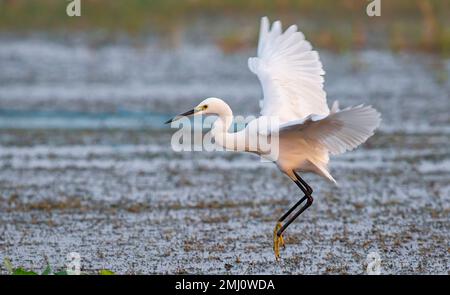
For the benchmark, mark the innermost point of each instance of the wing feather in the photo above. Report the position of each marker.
(290, 73)
(338, 132)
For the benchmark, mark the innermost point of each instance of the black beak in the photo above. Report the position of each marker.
(188, 113)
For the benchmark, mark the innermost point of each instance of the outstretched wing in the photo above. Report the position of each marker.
(290, 73)
(338, 132)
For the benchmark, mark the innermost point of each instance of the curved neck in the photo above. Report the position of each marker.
(224, 121)
(219, 131)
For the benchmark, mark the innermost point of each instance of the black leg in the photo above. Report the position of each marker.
(282, 218)
(307, 190)
(303, 186)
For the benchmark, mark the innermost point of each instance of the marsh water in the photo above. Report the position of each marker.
(87, 166)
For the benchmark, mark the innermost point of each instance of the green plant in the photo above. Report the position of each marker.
(47, 271)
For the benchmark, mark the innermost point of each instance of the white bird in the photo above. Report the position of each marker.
(291, 77)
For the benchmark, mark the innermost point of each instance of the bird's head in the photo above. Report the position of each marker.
(209, 106)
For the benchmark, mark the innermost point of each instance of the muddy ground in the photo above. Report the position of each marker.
(118, 195)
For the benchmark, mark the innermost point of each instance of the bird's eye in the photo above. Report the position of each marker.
(204, 107)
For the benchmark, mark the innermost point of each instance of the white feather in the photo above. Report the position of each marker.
(306, 143)
(290, 73)
(338, 132)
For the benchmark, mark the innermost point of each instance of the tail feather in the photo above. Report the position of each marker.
(322, 170)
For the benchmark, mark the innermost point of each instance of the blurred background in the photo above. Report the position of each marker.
(147, 56)
(86, 163)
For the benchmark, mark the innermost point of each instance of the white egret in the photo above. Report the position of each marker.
(291, 77)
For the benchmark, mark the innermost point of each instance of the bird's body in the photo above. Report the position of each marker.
(307, 131)
(304, 144)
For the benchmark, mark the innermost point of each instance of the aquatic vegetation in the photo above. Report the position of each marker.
(47, 270)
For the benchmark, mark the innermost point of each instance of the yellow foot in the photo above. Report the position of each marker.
(277, 241)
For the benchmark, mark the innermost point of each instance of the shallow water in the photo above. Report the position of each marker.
(117, 81)
(86, 165)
